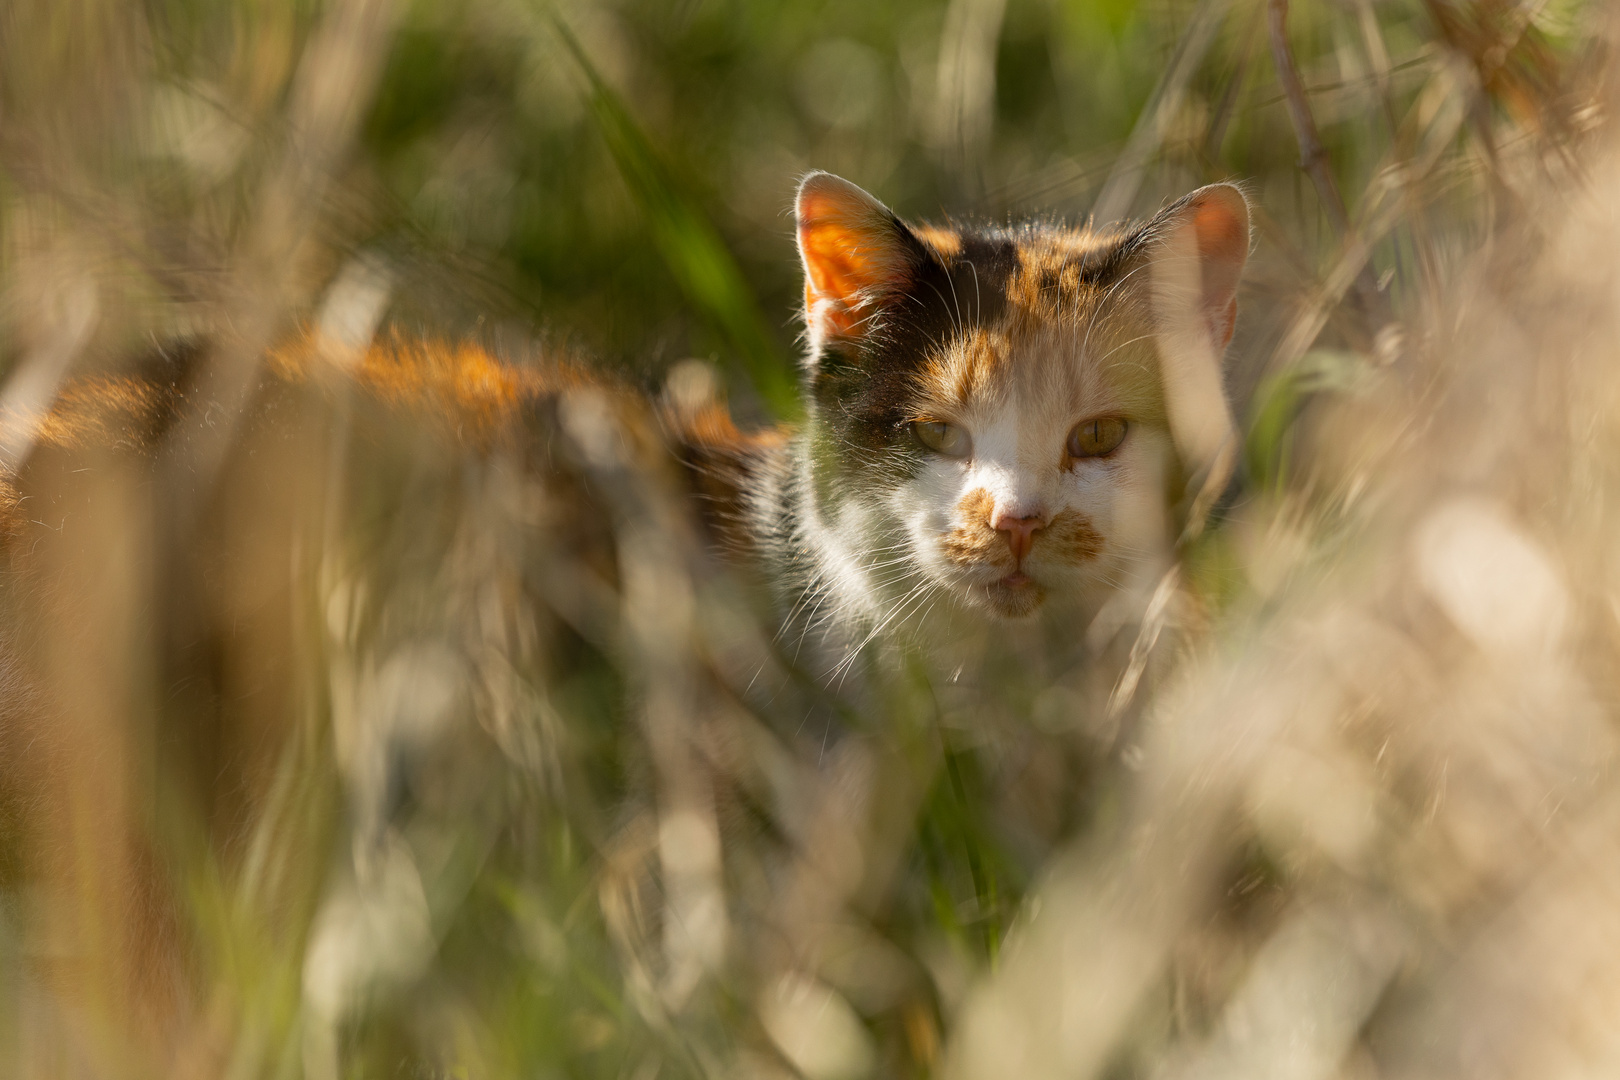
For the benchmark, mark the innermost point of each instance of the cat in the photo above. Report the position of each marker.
(999, 426)
(999, 421)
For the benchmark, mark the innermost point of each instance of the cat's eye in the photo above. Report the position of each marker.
(942, 438)
(1095, 438)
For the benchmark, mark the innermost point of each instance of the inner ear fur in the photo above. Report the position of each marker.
(1214, 222)
(1194, 251)
(856, 256)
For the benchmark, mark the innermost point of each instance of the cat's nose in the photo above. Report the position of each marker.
(1020, 532)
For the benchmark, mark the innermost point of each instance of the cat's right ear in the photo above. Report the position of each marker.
(856, 254)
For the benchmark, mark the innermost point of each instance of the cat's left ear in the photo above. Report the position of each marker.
(857, 256)
(1195, 250)
(1200, 243)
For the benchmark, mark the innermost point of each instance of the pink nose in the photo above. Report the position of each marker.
(1020, 532)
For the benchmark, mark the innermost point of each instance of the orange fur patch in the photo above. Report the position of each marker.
(1070, 538)
(461, 383)
(711, 428)
(475, 394)
(946, 243)
(964, 370)
(974, 542)
(95, 410)
(850, 250)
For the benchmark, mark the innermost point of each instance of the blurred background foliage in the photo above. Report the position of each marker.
(612, 180)
(631, 194)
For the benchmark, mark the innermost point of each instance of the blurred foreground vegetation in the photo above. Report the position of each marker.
(346, 740)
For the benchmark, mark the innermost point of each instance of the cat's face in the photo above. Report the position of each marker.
(994, 411)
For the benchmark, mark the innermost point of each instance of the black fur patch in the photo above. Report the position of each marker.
(864, 389)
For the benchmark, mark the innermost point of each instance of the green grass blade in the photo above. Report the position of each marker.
(689, 243)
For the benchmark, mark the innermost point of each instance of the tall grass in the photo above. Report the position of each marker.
(356, 728)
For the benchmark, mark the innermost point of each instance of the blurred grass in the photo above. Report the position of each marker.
(691, 248)
(370, 752)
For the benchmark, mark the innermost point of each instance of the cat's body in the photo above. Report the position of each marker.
(999, 421)
(997, 425)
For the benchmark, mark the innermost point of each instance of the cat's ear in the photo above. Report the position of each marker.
(1195, 250)
(856, 256)
(1208, 229)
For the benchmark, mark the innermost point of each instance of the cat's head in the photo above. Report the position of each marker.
(1005, 414)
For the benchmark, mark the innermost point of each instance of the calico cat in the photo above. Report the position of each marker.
(1000, 425)
(1000, 420)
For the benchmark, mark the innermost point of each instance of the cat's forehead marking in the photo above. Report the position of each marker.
(1041, 369)
(962, 372)
(1060, 270)
(1051, 283)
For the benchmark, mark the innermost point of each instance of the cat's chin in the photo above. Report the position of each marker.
(1014, 597)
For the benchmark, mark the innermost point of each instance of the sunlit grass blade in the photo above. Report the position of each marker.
(688, 242)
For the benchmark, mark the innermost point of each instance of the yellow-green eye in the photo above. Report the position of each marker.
(1094, 438)
(942, 438)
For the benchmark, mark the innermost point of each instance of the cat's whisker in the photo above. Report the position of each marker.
(1123, 344)
(877, 629)
(956, 302)
(1098, 310)
(845, 664)
(957, 328)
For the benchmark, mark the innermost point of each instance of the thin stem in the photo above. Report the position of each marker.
(1125, 179)
(1312, 157)
(1314, 160)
